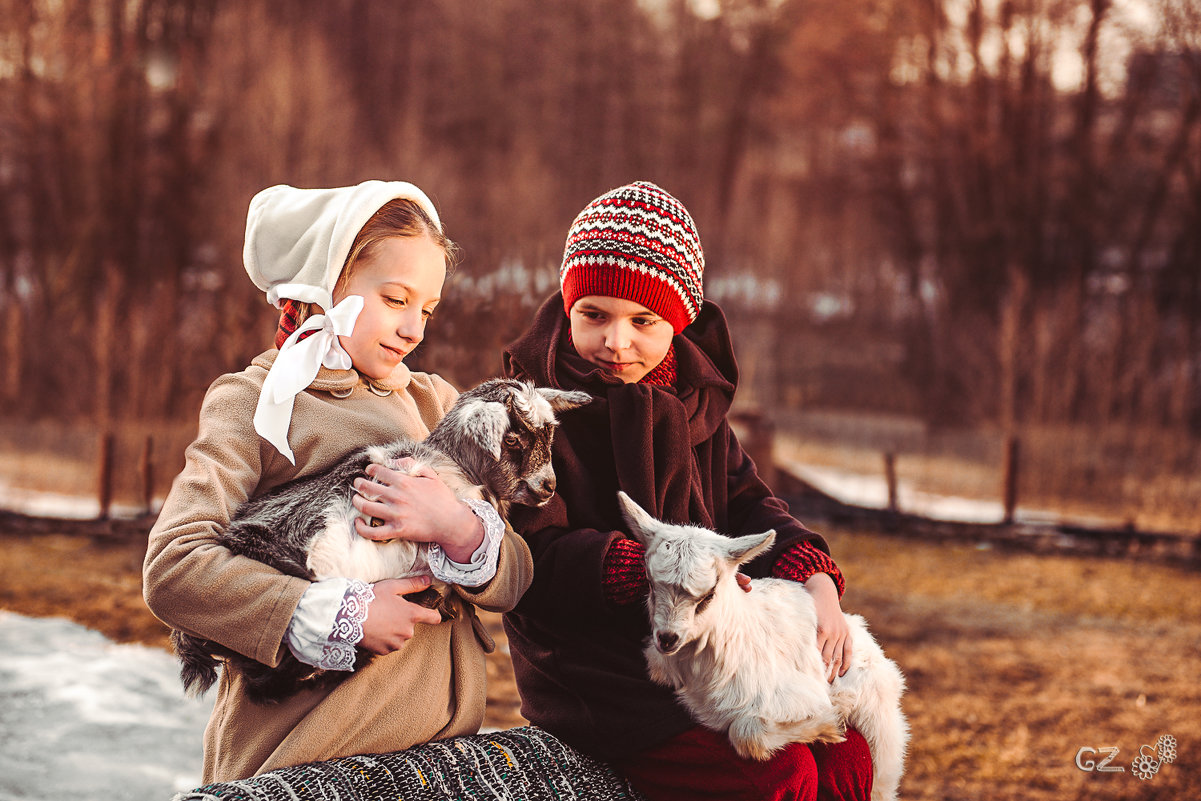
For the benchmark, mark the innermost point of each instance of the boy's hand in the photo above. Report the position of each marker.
(391, 620)
(833, 633)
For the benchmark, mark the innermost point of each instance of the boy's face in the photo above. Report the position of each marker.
(621, 336)
(401, 284)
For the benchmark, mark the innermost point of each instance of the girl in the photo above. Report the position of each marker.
(631, 327)
(359, 271)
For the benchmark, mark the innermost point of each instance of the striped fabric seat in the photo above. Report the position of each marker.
(524, 764)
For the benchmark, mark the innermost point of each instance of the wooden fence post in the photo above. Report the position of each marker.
(105, 467)
(1012, 459)
(758, 440)
(890, 476)
(146, 473)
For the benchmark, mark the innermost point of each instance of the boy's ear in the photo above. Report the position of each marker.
(486, 422)
(743, 549)
(641, 524)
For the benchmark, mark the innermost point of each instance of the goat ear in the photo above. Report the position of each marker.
(744, 549)
(642, 525)
(486, 422)
(561, 400)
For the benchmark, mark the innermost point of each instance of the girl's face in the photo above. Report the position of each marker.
(621, 336)
(401, 284)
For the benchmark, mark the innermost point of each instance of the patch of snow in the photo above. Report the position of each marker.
(84, 718)
(58, 505)
(871, 492)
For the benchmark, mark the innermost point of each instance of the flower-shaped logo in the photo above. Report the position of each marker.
(1145, 765)
(1149, 758)
(1166, 747)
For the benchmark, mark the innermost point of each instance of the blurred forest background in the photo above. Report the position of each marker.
(935, 225)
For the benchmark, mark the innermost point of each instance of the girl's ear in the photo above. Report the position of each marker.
(642, 525)
(741, 550)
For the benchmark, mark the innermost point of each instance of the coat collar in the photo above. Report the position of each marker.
(341, 381)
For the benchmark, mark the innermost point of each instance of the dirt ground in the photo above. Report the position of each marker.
(1015, 663)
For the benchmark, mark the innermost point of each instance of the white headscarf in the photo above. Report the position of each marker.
(296, 243)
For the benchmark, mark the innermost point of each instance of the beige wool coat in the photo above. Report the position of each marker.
(431, 689)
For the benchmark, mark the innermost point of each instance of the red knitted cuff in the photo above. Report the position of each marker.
(803, 561)
(623, 574)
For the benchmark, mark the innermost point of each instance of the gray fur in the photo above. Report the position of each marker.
(494, 444)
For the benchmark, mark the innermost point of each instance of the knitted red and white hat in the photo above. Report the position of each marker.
(638, 243)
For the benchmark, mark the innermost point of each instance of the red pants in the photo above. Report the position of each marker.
(700, 764)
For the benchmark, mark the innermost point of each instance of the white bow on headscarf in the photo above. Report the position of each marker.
(297, 365)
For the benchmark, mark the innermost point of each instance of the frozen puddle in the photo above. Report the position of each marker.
(83, 718)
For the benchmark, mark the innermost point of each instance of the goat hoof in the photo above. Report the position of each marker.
(429, 598)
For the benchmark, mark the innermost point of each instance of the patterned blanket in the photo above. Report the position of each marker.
(524, 764)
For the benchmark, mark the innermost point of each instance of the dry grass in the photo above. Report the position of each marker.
(1014, 661)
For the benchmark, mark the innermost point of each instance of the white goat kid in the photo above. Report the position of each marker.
(747, 663)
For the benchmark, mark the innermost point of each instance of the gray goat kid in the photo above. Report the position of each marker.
(494, 444)
(746, 664)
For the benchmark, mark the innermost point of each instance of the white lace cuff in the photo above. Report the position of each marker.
(482, 567)
(328, 623)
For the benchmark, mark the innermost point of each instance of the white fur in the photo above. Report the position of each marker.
(748, 663)
(338, 550)
(486, 422)
(539, 410)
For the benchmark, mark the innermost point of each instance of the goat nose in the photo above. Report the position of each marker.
(541, 487)
(667, 641)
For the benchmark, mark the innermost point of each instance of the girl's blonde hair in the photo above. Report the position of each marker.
(399, 217)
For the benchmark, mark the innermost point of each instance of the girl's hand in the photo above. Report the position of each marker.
(418, 508)
(833, 634)
(391, 620)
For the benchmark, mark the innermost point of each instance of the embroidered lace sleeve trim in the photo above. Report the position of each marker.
(339, 651)
(482, 567)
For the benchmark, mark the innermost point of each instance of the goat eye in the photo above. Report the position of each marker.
(512, 440)
(704, 602)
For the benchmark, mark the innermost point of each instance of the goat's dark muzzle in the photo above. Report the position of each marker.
(667, 642)
(541, 492)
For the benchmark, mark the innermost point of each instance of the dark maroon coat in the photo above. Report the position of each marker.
(578, 658)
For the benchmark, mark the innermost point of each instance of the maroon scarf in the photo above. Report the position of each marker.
(655, 423)
(663, 374)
